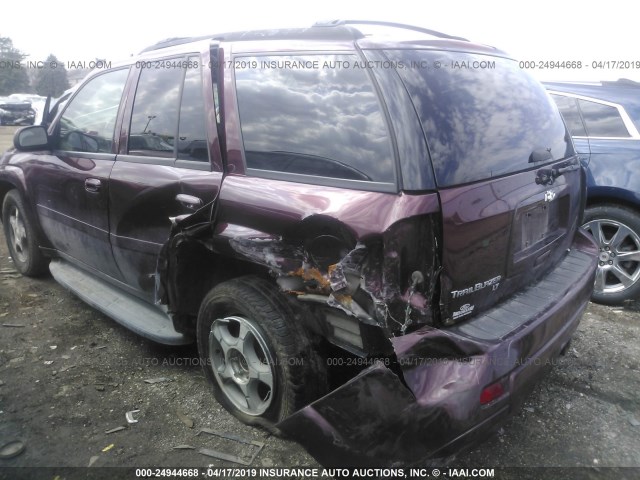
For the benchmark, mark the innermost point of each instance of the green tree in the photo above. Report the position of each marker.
(13, 75)
(52, 78)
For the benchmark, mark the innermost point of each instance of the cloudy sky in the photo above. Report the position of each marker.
(586, 31)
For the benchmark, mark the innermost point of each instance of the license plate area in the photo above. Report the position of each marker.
(534, 226)
(537, 226)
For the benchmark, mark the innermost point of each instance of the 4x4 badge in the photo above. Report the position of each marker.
(549, 196)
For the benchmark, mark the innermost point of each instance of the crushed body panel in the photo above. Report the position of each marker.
(427, 404)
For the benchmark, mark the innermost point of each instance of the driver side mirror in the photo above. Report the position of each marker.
(31, 138)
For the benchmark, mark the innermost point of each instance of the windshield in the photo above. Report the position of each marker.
(483, 116)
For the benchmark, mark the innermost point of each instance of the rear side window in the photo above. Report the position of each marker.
(313, 115)
(602, 120)
(483, 116)
(88, 122)
(568, 106)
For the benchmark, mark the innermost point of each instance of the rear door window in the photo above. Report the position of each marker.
(315, 116)
(483, 116)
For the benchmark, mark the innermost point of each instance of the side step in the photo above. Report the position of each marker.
(129, 311)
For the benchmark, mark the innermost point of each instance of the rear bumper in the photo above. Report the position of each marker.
(432, 407)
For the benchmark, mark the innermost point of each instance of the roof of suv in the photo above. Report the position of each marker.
(621, 91)
(344, 31)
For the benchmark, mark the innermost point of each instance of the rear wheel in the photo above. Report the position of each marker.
(617, 233)
(257, 357)
(21, 237)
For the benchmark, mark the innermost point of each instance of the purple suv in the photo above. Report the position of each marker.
(374, 240)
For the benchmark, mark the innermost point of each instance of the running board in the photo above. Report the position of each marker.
(129, 311)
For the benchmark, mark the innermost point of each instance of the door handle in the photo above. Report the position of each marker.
(92, 185)
(189, 201)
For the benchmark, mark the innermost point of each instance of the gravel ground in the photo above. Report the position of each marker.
(68, 374)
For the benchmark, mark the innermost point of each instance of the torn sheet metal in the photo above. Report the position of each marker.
(375, 421)
(363, 423)
(366, 282)
(382, 419)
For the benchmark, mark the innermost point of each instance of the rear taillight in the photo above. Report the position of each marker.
(492, 392)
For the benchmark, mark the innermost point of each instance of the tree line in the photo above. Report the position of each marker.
(14, 76)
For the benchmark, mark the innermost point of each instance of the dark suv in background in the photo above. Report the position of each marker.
(307, 200)
(604, 120)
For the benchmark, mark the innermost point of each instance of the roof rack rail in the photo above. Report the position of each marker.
(172, 42)
(404, 26)
(347, 33)
(622, 82)
(344, 33)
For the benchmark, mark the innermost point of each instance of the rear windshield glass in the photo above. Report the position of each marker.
(483, 116)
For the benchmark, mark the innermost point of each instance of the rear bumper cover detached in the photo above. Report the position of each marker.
(431, 408)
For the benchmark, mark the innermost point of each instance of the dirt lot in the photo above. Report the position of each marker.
(68, 375)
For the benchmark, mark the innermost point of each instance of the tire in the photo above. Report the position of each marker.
(617, 232)
(256, 355)
(21, 237)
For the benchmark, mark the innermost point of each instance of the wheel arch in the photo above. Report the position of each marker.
(12, 178)
(193, 271)
(613, 196)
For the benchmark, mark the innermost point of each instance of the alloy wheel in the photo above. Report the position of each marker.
(618, 256)
(18, 235)
(242, 364)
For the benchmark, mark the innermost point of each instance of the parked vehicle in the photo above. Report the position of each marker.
(16, 112)
(37, 104)
(604, 120)
(309, 198)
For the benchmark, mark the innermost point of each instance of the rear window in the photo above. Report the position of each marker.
(483, 116)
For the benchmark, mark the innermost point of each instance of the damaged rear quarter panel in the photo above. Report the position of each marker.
(360, 250)
(371, 255)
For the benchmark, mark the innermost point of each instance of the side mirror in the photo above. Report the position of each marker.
(31, 138)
